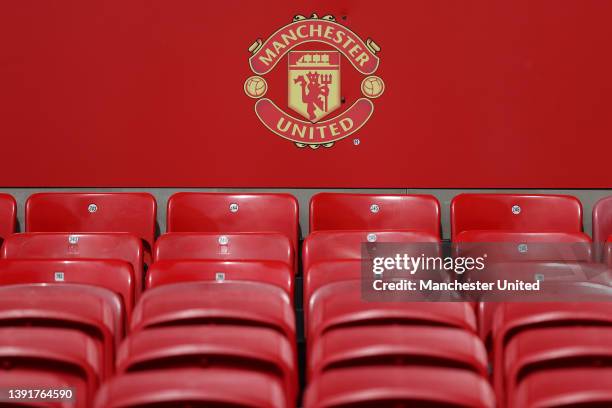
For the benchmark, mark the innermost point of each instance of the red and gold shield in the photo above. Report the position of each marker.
(314, 83)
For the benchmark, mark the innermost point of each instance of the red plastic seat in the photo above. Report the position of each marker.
(397, 345)
(515, 212)
(33, 380)
(68, 354)
(92, 310)
(547, 349)
(89, 246)
(340, 304)
(226, 247)
(193, 388)
(602, 228)
(524, 246)
(571, 272)
(331, 256)
(8, 215)
(324, 273)
(336, 211)
(323, 246)
(388, 387)
(134, 213)
(246, 348)
(513, 318)
(235, 303)
(602, 219)
(532, 271)
(570, 387)
(272, 272)
(223, 213)
(116, 276)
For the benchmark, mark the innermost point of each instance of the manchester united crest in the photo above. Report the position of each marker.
(317, 114)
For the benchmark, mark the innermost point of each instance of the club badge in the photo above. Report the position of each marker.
(314, 115)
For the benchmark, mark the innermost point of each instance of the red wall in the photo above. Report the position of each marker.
(148, 93)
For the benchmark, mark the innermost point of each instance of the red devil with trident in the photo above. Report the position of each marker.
(318, 92)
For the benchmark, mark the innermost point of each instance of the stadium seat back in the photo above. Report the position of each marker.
(515, 212)
(116, 276)
(323, 273)
(400, 345)
(578, 387)
(547, 349)
(34, 379)
(323, 246)
(68, 354)
(242, 348)
(84, 246)
(232, 212)
(388, 387)
(234, 303)
(512, 319)
(197, 388)
(224, 247)
(335, 211)
(524, 246)
(340, 304)
(8, 215)
(602, 226)
(94, 311)
(175, 271)
(134, 213)
(547, 272)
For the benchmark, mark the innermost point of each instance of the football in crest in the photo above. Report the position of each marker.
(255, 87)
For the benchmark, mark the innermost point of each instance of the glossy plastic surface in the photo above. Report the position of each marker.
(192, 387)
(555, 272)
(246, 348)
(388, 387)
(337, 211)
(8, 215)
(545, 350)
(513, 318)
(515, 212)
(234, 303)
(93, 212)
(95, 311)
(341, 304)
(68, 354)
(234, 212)
(524, 246)
(35, 379)
(321, 246)
(602, 219)
(224, 247)
(580, 387)
(397, 345)
(64, 246)
(175, 271)
(116, 276)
